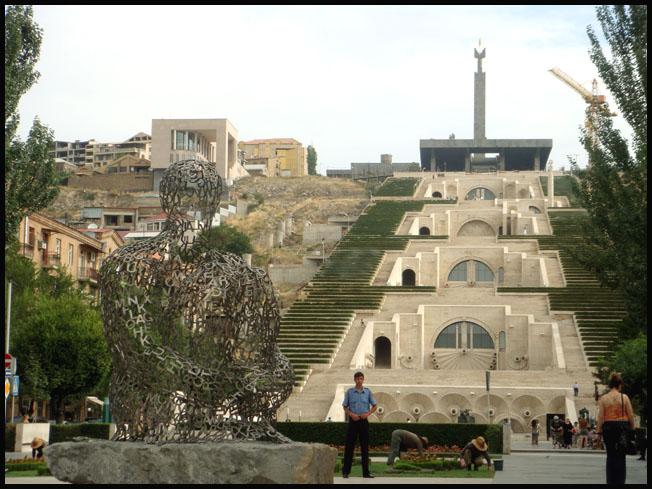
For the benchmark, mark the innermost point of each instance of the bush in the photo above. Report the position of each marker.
(10, 437)
(380, 433)
(407, 466)
(66, 432)
(24, 465)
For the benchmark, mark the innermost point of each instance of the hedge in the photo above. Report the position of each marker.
(66, 432)
(332, 433)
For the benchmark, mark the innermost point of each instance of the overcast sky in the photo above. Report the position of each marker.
(354, 81)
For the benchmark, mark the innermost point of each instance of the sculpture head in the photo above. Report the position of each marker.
(190, 187)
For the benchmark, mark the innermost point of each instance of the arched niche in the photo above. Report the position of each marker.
(437, 195)
(434, 417)
(398, 417)
(476, 227)
(408, 277)
(414, 402)
(424, 231)
(383, 352)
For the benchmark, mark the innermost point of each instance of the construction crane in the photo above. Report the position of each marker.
(595, 102)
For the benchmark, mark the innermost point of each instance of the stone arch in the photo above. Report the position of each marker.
(434, 417)
(436, 195)
(398, 417)
(534, 208)
(382, 352)
(453, 401)
(530, 403)
(517, 424)
(476, 227)
(497, 403)
(424, 231)
(373, 418)
(416, 404)
(557, 404)
(480, 192)
(458, 319)
(523, 193)
(386, 402)
(408, 277)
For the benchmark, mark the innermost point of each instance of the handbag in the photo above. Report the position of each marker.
(626, 439)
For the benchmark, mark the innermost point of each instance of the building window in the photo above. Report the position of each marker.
(480, 193)
(128, 219)
(501, 341)
(110, 220)
(57, 247)
(459, 273)
(483, 273)
(70, 254)
(464, 334)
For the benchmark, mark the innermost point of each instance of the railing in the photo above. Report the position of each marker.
(53, 260)
(87, 273)
(28, 250)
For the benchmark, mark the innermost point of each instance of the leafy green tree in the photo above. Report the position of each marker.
(62, 348)
(226, 238)
(30, 173)
(312, 160)
(630, 359)
(614, 187)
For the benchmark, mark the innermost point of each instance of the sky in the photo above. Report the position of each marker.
(354, 81)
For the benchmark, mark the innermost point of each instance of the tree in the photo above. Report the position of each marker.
(312, 160)
(614, 187)
(30, 174)
(630, 360)
(61, 344)
(226, 238)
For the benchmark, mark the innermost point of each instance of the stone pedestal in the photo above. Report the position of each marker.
(111, 462)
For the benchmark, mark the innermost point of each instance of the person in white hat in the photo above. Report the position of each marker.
(475, 453)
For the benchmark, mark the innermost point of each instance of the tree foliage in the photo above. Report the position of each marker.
(312, 160)
(226, 238)
(30, 174)
(56, 335)
(614, 187)
(630, 360)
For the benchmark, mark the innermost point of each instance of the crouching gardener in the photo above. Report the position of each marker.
(474, 453)
(402, 440)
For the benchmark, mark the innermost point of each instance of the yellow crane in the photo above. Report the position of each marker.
(594, 101)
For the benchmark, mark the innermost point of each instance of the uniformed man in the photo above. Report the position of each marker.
(358, 405)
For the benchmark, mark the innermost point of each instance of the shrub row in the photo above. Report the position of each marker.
(381, 433)
(398, 187)
(66, 432)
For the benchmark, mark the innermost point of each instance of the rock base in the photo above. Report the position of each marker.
(114, 462)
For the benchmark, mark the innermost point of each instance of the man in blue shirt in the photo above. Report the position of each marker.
(358, 405)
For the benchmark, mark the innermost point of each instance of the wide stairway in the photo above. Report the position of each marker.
(598, 310)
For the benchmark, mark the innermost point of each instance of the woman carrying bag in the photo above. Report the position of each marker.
(615, 419)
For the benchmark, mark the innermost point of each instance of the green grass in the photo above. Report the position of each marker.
(22, 473)
(398, 187)
(381, 469)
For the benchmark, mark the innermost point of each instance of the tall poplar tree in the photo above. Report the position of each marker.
(30, 174)
(614, 187)
(312, 160)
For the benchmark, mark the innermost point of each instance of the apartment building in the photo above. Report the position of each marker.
(53, 245)
(118, 218)
(283, 157)
(95, 155)
(214, 140)
(128, 164)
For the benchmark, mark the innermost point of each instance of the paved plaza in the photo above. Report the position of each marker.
(519, 468)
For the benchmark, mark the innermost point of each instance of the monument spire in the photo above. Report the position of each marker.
(479, 96)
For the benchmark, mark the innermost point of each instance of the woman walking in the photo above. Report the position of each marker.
(535, 432)
(615, 417)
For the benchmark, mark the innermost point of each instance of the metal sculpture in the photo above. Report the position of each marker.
(191, 331)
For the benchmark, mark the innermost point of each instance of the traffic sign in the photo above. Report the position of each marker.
(14, 385)
(8, 359)
(7, 387)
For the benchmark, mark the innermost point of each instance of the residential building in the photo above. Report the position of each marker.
(53, 245)
(93, 155)
(284, 157)
(110, 238)
(214, 140)
(118, 218)
(371, 170)
(128, 164)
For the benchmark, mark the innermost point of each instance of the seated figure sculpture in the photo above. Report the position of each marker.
(191, 331)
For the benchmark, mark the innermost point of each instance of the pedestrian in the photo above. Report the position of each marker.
(358, 405)
(402, 440)
(475, 453)
(584, 432)
(576, 389)
(25, 418)
(576, 433)
(535, 432)
(615, 417)
(37, 447)
(568, 433)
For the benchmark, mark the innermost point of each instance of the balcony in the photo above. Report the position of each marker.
(53, 260)
(87, 273)
(28, 250)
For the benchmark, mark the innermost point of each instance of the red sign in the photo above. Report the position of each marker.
(8, 359)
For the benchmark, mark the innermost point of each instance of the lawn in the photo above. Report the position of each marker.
(21, 473)
(381, 469)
